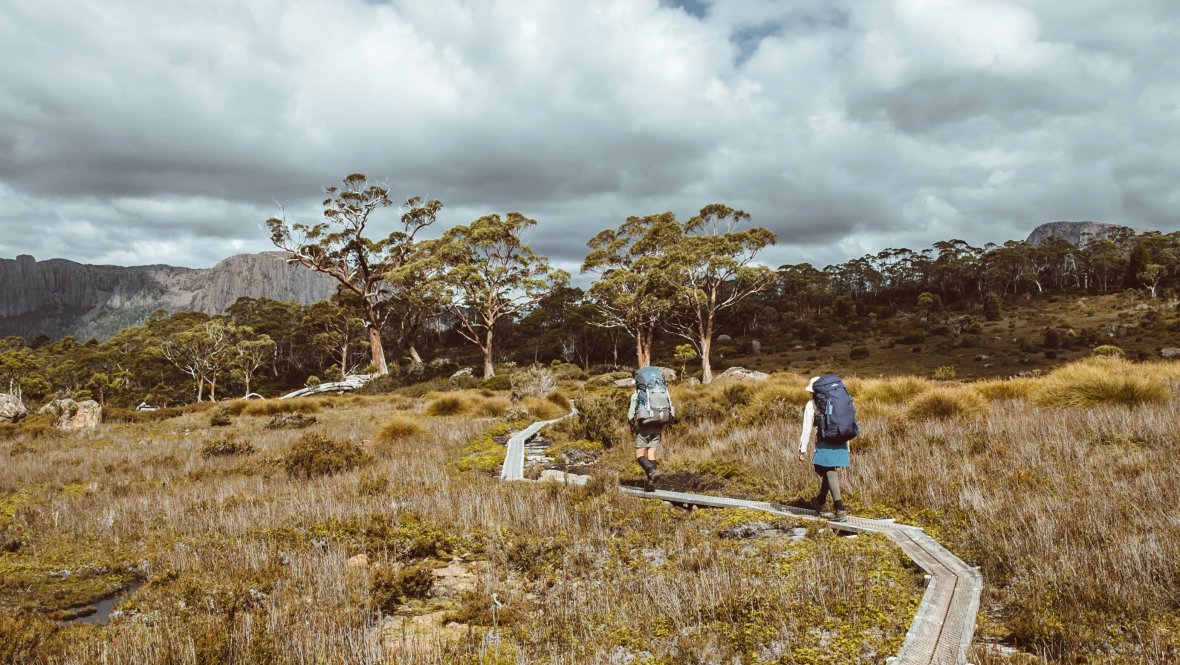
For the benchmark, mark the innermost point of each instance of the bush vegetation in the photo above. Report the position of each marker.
(318, 455)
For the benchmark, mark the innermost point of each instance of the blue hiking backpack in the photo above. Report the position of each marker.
(653, 406)
(835, 417)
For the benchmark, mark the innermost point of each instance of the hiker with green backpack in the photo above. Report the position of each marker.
(831, 415)
(650, 411)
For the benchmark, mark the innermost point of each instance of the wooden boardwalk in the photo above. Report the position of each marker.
(944, 624)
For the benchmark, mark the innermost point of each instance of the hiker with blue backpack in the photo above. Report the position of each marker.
(831, 415)
(650, 411)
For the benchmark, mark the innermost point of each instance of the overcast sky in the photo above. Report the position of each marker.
(166, 131)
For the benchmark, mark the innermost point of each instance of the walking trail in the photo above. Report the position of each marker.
(945, 621)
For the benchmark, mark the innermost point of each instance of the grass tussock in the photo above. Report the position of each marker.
(896, 390)
(539, 408)
(559, 398)
(1004, 389)
(492, 406)
(946, 403)
(1103, 381)
(399, 428)
(448, 404)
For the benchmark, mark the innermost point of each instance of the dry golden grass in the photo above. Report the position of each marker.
(243, 563)
(1065, 509)
(1001, 389)
(946, 403)
(449, 404)
(400, 428)
(1104, 380)
(272, 407)
(895, 390)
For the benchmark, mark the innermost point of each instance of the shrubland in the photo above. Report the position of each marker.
(380, 533)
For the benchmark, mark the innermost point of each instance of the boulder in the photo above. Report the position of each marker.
(465, 373)
(743, 374)
(724, 338)
(669, 374)
(1171, 352)
(625, 383)
(558, 476)
(12, 408)
(70, 415)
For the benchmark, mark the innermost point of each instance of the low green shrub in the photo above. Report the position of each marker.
(317, 455)
(220, 417)
(227, 446)
(390, 587)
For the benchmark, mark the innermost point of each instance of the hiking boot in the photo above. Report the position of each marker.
(816, 506)
(840, 516)
(649, 483)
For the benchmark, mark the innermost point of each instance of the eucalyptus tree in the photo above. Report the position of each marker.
(488, 274)
(712, 264)
(339, 247)
(636, 289)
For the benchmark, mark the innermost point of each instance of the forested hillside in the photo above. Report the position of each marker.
(975, 311)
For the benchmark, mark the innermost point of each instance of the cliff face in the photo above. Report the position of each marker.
(59, 297)
(1078, 233)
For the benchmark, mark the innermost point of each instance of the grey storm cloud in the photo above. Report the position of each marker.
(167, 132)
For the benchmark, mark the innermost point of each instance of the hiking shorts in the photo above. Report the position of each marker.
(648, 436)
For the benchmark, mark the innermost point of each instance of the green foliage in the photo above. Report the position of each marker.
(318, 455)
(390, 587)
(859, 352)
(1108, 351)
(600, 418)
(992, 307)
(497, 382)
(220, 417)
(227, 446)
(737, 395)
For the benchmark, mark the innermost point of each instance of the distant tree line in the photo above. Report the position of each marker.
(665, 289)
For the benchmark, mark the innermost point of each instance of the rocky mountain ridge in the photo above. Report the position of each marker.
(1079, 233)
(59, 297)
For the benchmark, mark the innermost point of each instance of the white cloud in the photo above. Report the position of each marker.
(165, 132)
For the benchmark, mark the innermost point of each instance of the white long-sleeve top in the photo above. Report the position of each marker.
(808, 426)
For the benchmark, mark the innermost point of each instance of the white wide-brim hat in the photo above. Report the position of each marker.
(811, 384)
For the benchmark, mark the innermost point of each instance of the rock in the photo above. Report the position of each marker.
(754, 529)
(558, 476)
(625, 383)
(465, 373)
(724, 338)
(102, 300)
(692, 381)
(669, 375)
(1170, 352)
(70, 415)
(12, 408)
(1079, 234)
(359, 561)
(743, 374)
